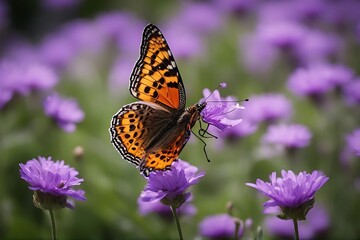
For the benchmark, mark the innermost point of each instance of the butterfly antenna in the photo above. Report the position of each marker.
(221, 85)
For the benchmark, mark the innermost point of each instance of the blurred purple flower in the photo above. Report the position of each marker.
(184, 43)
(352, 92)
(239, 7)
(53, 178)
(20, 50)
(318, 47)
(317, 222)
(170, 187)
(256, 54)
(293, 194)
(290, 136)
(18, 77)
(306, 11)
(318, 79)
(65, 112)
(267, 107)
(220, 112)
(282, 35)
(61, 4)
(342, 14)
(122, 28)
(73, 39)
(220, 226)
(57, 51)
(353, 141)
(145, 208)
(120, 73)
(84, 35)
(199, 17)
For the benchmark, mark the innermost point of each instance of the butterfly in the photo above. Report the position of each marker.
(151, 133)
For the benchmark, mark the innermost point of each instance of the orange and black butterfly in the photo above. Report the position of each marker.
(151, 132)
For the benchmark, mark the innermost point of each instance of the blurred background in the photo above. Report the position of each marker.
(297, 61)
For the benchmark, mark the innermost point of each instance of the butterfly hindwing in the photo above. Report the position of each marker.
(155, 77)
(136, 137)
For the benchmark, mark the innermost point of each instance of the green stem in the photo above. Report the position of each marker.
(53, 225)
(176, 217)
(296, 228)
(237, 228)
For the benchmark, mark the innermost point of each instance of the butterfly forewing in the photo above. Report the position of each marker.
(155, 77)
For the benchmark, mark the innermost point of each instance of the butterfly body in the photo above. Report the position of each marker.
(152, 132)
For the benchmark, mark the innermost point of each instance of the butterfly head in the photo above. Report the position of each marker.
(200, 106)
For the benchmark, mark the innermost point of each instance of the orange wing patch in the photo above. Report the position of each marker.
(163, 158)
(155, 77)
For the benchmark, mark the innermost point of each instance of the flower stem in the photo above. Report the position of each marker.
(53, 225)
(176, 217)
(296, 229)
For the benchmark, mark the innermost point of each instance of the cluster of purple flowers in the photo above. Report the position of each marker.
(306, 35)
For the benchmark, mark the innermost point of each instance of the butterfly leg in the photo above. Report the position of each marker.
(204, 148)
(203, 131)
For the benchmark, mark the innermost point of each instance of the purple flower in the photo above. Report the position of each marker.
(52, 178)
(317, 80)
(351, 92)
(318, 47)
(294, 194)
(268, 107)
(317, 222)
(120, 72)
(65, 112)
(22, 78)
(284, 11)
(170, 187)
(72, 40)
(342, 14)
(353, 141)
(57, 51)
(220, 112)
(122, 28)
(199, 17)
(184, 42)
(239, 7)
(282, 35)
(145, 208)
(256, 54)
(290, 136)
(220, 226)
